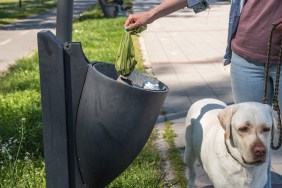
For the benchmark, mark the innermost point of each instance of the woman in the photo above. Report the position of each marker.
(250, 23)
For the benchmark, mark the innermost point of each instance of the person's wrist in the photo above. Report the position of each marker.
(151, 16)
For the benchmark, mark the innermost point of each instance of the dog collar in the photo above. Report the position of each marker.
(228, 150)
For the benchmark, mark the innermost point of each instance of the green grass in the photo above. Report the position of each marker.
(144, 171)
(21, 147)
(10, 10)
(174, 156)
(20, 171)
(21, 142)
(100, 37)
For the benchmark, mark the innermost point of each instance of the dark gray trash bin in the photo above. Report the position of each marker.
(94, 126)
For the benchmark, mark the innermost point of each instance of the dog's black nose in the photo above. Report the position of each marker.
(259, 151)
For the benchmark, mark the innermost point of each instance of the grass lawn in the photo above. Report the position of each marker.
(10, 10)
(21, 142)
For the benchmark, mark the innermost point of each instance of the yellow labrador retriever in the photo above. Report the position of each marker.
(231, 143)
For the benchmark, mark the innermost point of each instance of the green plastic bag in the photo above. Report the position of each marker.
(125, 59)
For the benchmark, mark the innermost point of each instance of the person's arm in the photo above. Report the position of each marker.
(165, 8)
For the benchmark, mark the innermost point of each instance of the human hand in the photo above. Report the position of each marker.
(278, 25)
(136, 20)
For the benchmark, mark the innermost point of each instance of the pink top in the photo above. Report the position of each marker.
(254, 28)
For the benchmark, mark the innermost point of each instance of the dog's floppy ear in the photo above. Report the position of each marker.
(225, 117)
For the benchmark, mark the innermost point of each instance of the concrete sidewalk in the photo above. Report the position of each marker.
(185, 51)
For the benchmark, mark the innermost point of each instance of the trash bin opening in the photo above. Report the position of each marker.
(138, 79)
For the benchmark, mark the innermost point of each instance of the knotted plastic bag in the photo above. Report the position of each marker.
(125, 59)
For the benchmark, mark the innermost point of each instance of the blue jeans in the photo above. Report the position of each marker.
(247, 82)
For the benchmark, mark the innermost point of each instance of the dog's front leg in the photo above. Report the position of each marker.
(189, 155)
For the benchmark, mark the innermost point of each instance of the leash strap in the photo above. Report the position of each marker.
(275, 101)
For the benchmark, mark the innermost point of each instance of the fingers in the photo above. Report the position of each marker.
(279, 27)
(133, 26)
(136, 20)
(133, 21)
(129, 20)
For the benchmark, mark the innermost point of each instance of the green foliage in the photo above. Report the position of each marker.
(100, 37)
(174, 156)
(144, 171)
(21, 142)
(21, 76)
(26, 173)
(169, 134)
(18, 105)
(20, 99)
(19, 169)
(16, 171)
(94, 13)
(10, 10)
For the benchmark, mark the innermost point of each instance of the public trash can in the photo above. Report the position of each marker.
(94, 126)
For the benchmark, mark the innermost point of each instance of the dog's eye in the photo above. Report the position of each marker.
(244, 129)
(266, 129)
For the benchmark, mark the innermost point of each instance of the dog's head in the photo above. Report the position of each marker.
(248, 131)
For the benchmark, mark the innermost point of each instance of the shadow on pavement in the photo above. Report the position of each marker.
(47, 20)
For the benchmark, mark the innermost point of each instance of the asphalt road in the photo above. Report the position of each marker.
(19, 39)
